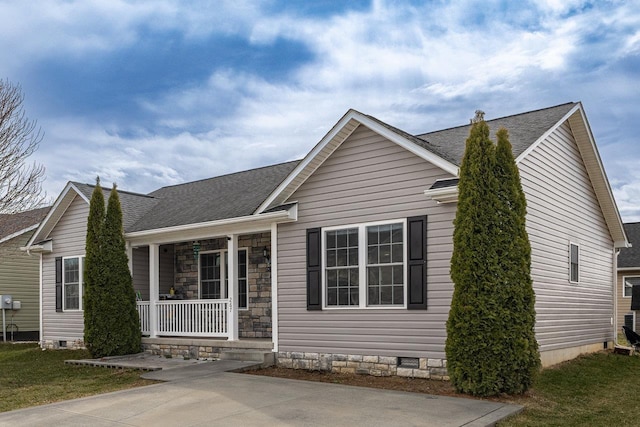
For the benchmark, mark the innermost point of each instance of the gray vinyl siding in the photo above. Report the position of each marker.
(561, 208)
(166, 277)
(366, 179)
(141, 270)
(140, 273)
(69, 236)
(19, 277)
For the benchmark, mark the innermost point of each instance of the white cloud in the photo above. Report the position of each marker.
(418, 67)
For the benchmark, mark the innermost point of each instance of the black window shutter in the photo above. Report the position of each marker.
(314, 269)
(59, 284)
(635, 297)
(417, 262)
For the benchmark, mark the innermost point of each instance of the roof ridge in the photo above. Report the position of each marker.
(119, 190)
(419, 135)
(226, 175)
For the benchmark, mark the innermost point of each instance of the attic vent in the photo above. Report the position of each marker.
(409, 362)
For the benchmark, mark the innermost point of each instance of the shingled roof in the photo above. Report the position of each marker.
(630, 257)
(227, 196)
(524, 129)
(134, 205)
(242, 193)
(14, 223)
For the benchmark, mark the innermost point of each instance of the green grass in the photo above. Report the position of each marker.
(30, 376)
(600, 389)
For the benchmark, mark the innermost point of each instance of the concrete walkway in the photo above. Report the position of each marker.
(204, 394)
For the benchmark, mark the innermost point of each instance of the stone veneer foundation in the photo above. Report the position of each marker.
(380, 366)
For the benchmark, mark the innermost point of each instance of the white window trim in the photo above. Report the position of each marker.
(632, 313)
(362, 265)
(223, 273)
(579, 263)
(80, 285)
(624, 279)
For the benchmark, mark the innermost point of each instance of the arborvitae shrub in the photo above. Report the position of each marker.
(93, 270)
(491, 346)
(111, 320)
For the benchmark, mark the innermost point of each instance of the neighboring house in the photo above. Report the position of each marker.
(20, 273)
(341, 260)
(628, 276)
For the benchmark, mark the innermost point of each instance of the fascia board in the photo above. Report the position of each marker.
(238, 225)
(19, 233)
(620, 238)
(371, 124)
(52, 215)
(304, 164)
(545, 135)
(407, 145)
(599, 174)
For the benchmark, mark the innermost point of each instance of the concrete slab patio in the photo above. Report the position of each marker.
(202, 394)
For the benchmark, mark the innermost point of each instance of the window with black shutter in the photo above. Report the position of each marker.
(380, 264)
(314, 269)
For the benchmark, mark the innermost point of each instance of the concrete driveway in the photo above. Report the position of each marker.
(205, 395)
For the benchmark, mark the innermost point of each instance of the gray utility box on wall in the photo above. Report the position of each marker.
(6, 302)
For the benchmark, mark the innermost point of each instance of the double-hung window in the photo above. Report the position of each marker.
(72, 269)
(214, 277)
(365, 265)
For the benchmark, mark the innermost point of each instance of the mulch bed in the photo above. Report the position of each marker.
(413, 385)
(416, 385)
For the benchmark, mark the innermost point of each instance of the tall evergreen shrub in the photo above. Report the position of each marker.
(121, 310)
(93, 269)
(111, 321)
(491, 347)
(520, 349)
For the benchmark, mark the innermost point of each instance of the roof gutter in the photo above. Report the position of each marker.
(45, 246)
(443, 195)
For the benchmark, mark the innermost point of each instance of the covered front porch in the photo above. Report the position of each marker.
(209, 287)
(211, 280)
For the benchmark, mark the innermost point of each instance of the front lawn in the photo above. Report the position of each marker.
(30, 376)
(594, 390)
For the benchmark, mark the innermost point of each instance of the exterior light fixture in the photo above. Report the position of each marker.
(267, 258)
(196, 249)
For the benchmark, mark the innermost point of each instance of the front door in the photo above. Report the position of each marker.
(214, 279)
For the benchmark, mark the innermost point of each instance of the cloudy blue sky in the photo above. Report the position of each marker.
(153, 93)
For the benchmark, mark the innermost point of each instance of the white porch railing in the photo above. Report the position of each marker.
(193, 318)
(143, 315)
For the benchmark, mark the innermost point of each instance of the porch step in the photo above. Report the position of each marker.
(264, 358)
